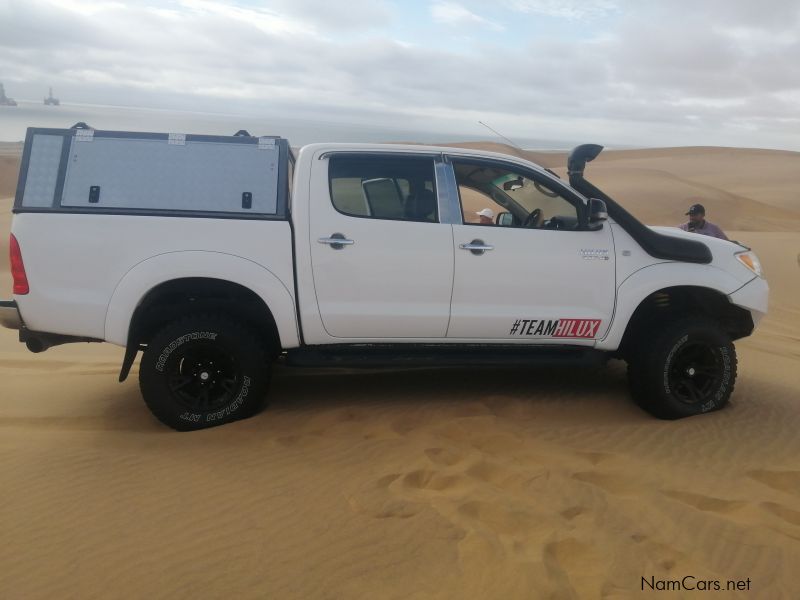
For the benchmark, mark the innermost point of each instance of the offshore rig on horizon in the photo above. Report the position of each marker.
(51, 100)
(5, 100)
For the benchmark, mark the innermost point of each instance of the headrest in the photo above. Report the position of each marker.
(421, 206)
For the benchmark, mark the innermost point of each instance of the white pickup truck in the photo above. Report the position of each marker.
(217, 256)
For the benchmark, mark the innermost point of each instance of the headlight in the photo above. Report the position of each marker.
(750, 260)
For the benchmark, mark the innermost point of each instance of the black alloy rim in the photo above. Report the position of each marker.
(202, 377)
(696, 372)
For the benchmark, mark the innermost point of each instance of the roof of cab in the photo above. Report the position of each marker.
(320, 148)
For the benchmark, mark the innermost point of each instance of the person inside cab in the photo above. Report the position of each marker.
(485, 216)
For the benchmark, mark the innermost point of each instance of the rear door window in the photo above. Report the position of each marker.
(395, 188)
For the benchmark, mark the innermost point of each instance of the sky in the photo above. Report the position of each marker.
(625, 72)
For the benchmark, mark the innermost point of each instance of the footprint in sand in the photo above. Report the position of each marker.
(789, 515)
(783, 481)
(501, 444)
(705, 503)
(562, 557)
(406, 425)
(667, 565)
(500, 519)
(610, 482)
(386, 480)
(572, 512)
(396, 509)
(443, 456)
(376, 501)
(595, 458)
(495, 474)
(426, 479)
(380, 508)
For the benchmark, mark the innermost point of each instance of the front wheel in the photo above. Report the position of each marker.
(204, 370)
(685, 367)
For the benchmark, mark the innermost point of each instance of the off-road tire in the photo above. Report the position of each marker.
(204, 370)
(683, 367)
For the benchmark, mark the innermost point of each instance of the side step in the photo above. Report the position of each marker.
(439, 355)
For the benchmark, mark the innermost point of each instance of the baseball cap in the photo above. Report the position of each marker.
(486, 212)
(696, 209)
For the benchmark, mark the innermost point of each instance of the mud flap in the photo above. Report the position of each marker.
(130, 356)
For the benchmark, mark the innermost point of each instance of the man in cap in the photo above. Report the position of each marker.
(486, 216)
(697, 223)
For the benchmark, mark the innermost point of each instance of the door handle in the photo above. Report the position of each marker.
(337, 241)
(476, 247)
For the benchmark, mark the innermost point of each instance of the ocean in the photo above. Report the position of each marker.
(14, 120)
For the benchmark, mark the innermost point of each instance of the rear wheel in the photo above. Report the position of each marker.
(204, 370)
(685, 367)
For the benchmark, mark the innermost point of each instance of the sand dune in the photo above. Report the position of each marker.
(9, 167)
(422, 484)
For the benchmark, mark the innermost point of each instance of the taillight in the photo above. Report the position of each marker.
(18, 269)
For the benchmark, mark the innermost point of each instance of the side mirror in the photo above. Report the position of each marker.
(505, 219)
(597, 214)
(597, 210)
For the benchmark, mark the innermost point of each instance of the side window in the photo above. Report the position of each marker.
(495, 195)
(400, 189)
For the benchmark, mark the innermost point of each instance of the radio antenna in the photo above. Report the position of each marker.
(497, 133)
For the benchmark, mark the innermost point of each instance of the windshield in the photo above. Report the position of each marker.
(529, 194)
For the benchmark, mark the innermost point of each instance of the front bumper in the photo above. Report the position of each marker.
(9, 315)
(754, 296)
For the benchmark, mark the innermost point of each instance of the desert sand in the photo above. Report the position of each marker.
(423, 484)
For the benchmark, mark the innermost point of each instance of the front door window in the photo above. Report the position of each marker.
(495, 195)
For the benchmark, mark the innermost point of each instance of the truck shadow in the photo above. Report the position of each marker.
(310, 389)
(306, 392)
(311, 399)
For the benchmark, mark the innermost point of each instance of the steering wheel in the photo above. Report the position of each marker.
(533, 219)
(553, 223)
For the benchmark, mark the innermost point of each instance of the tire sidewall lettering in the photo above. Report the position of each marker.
(168, 350)
(668, 362)
(233, 406)
(726, 379)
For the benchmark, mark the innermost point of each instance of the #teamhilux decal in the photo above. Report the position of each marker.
(557, 328)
